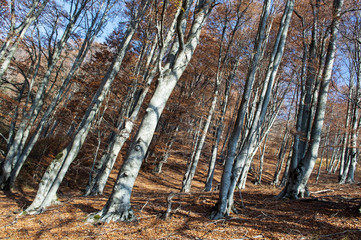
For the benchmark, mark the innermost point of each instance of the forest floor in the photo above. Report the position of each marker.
(330, 213)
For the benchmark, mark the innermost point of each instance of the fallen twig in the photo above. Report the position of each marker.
(323, 191)
(169, 201)
(144, 205)
(215, 221)
(340, 233)
(151, 216)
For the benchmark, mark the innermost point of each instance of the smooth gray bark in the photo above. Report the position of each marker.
(22, 134)
(298, 178)
(97, 183)
(307, 77)
(191, 170)
(356, 60)
(220, 73)
(219, 130)
(306, 122)
(59, 166)
(118, 206)
(95, 27)
(345, 140)
(18, 34)
(221, 207)
(234, 168)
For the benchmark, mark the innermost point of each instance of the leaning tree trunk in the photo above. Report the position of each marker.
(233, 168)
(325, 146)
(59, 166)
(347, 137)
(219, 130)
(259, 177)
(87, 43)
(221, 207)
(118, 207)
(220, 73)
(308, 89)
(344, 151)
(21, 136)
(164, 159)
(283, 149)
(97, 183)
(356, 102)
(191, 170)
(353, 149)
(256, 142)
(298, 178)
(32, 15)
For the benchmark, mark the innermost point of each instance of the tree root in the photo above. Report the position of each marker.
(33, 211)
(217, 215)
(120, 216)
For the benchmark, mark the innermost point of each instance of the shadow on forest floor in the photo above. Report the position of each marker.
(330, 213)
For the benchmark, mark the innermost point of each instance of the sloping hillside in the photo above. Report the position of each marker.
(331, 212)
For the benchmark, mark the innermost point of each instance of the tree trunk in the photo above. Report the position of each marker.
(325, 146)
(356, 102)
(230, 129)
(219, 130)
(118, 206)
(59, 166)
(97, 183)
(16, 149)
(233, 169)
(222, 208)
(23, 150)
(33, 14)
(259, 177)
(187, 181)
(298, 178)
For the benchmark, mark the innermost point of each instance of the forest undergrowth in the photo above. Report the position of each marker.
(330, 213)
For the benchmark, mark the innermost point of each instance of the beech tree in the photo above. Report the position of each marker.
(97, 20)
(353, 51)
(118, 207)
(136, 99)
(223, 60)
(189, 79)
(17, 146)
(301, 168)
(235, 165)
(17, 31)
(56, 171)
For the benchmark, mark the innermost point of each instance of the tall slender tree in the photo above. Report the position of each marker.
(56, 171)
(118, 207)
(296, 186)
(234, 166)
